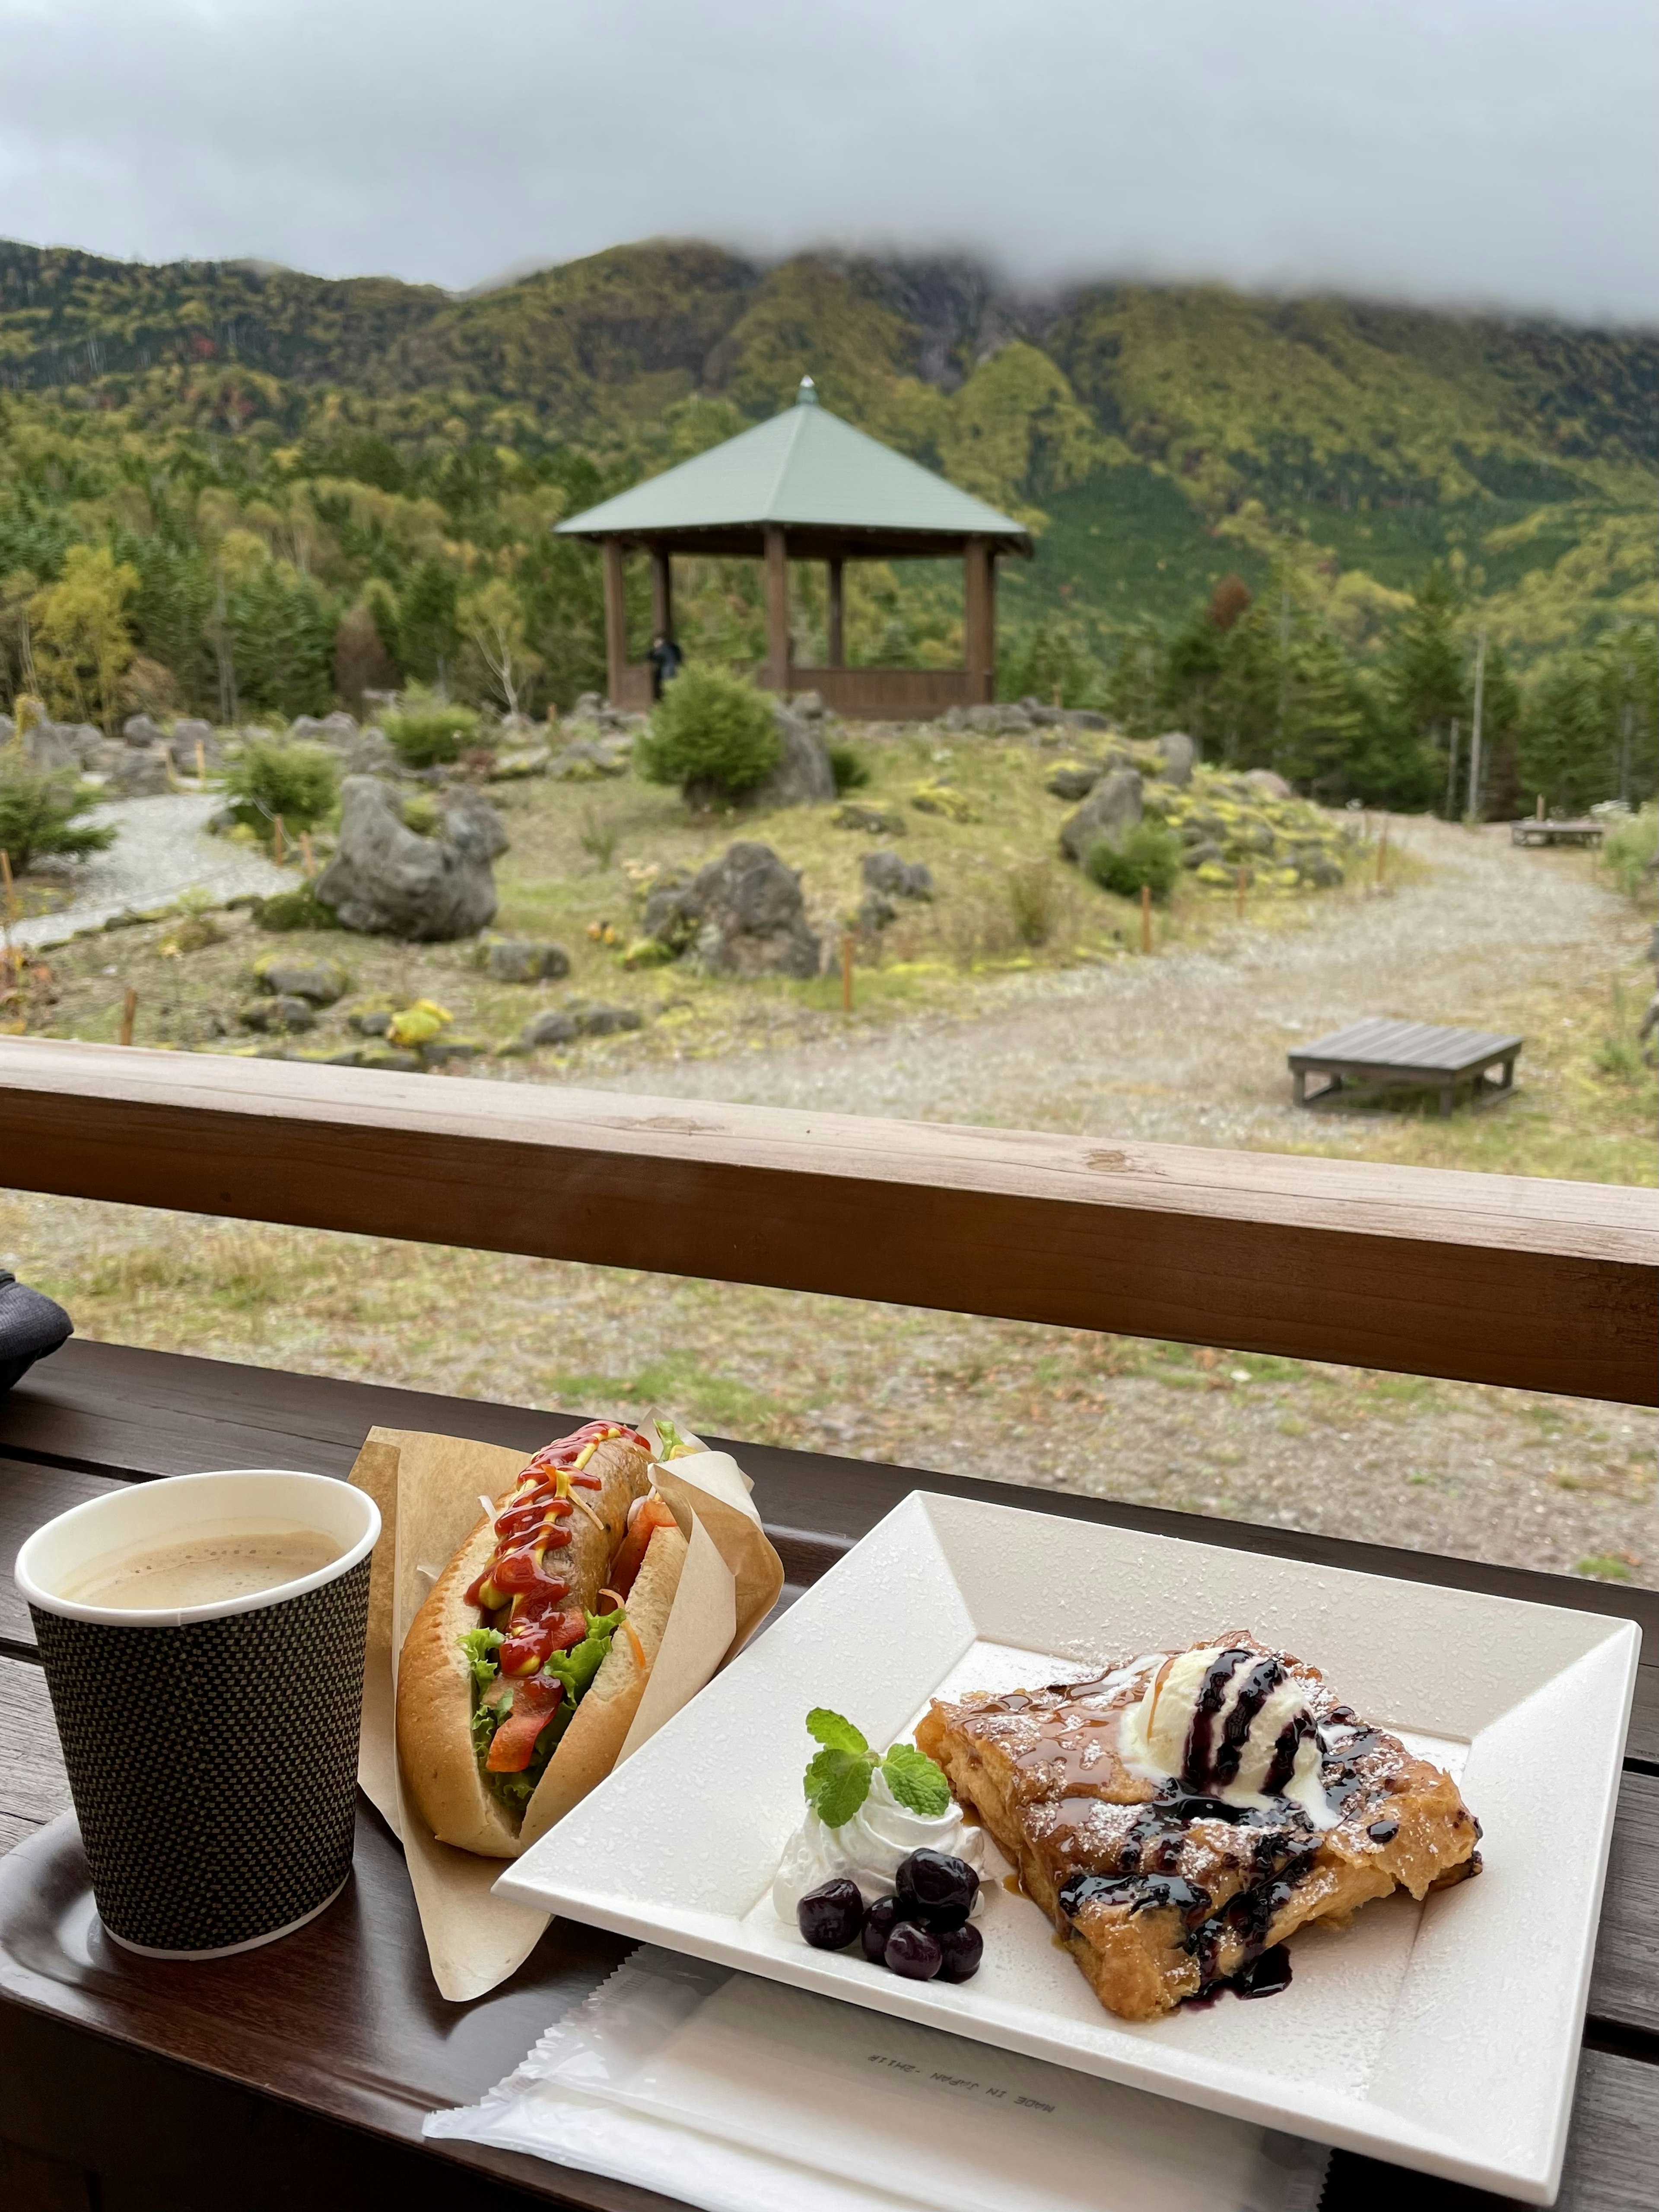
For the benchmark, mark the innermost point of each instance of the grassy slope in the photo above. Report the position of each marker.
(1134, 419)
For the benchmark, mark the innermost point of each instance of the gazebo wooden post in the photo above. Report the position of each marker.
(777, 608)
(662, 592)
(836, 642)
(615, 622)
(978, 619)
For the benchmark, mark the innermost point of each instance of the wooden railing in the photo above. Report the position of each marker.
(1494, 1278)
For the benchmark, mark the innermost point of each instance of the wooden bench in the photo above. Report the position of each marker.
(1534, 831)
(302, 2072)
(1380, 1054)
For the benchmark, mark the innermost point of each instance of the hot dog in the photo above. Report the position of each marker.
(520, 1675)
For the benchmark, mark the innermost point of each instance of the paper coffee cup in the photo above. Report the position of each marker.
(211, 1748)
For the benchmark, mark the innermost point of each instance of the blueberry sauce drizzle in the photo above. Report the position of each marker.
(1198, 1759)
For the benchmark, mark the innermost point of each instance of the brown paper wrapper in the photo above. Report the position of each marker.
(429, 1489)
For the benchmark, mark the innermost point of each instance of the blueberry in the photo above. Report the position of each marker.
(936, 1889)
(830, 1916)
(961, 1950)
(879, 1926)
(912, 1952)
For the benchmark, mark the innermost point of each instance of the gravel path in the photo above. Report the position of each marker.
(163, 849)
(1189, 1048)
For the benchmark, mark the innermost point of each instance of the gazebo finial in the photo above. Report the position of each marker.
(806, 394)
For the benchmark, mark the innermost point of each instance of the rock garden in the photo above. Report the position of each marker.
(509, 896)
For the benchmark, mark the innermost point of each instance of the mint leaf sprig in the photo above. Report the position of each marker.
(838, 1779)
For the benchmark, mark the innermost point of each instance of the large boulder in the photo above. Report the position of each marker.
(187, 734)
(371, 752)
(288, 976)
(894, 877)
(522, 960)
(803, 777)
(50, 747)
(1267, 783)
(140, 730)
(1179, 755)
(472, 807)
(388, 880)
(998, 721)
(751, 919)
(1111, 808)
(140, 774)
(1074, 780)
(338, 728)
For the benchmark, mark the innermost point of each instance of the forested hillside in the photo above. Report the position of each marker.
(1285, 521)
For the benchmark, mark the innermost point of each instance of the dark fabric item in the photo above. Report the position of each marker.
(31, 1326)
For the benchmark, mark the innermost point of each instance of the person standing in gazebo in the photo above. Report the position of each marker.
(666, 661)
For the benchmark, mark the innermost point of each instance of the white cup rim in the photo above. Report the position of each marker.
(26, 1577)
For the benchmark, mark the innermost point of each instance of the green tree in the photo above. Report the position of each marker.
(428, 631)
(491, 621)
(1426, 681)
(711, 734)
(37, 813)
(81, 639)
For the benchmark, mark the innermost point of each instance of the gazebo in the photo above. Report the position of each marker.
(807, 487)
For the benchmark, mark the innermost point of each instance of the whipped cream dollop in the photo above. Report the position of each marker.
(869, 1848)
(1228, 1724)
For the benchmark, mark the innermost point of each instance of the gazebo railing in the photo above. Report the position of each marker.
(1538, 1285)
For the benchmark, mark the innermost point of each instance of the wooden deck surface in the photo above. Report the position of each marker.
(320, 2055)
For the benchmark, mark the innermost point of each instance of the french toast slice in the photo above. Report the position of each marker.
(1161, 1892)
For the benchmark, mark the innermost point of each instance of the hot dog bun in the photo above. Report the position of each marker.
(587, 1750)
(435, 1684)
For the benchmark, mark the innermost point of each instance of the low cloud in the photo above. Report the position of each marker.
(1489, 152)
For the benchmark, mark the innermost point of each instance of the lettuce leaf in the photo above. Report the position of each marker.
(575, 1669)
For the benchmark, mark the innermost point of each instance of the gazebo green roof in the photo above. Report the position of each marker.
(806, 469)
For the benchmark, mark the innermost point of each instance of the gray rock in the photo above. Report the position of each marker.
(373, 753)
(804, 776)
(875, 914)
(1074, 780)
(751, 919)
(555, 1026)
(954, 717)
(278, 1015)
(672, 913)
(338, 728)
(50, 747)
(998, 721)
(1267, 783)
(391, 1060)
(1112, 807)
(808, 703)
(879, 820)
(521, 761)
(320, 982)
(1085, 718)
(894, 877)
(1196, 855)
(188, 735)
(8, 731)
(474, 810)
(587, 708)
(139, 730)
(1319, 870)
(371, 1021)
(587, 759)
(518, 960)
(1179, 754)
(606, 1021)
(442, 1052)
(141, 775)
(386, 880)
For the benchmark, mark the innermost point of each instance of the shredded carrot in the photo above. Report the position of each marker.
(640, 1661)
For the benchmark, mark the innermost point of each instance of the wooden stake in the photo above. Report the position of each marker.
(1240, 894)
(10, 888)
(129, 1014)
(848, 943)
(201, 762)
(306, 854)
(276, 849)
(1382, 853)
(1541, 806)
(1145, 917)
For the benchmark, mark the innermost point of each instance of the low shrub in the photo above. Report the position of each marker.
(1148, 855)
(302, 783)
(428, 732)
(1630, 851)
(299, 908)
(1033, 900)
(710, 732)
(849, 769)
(39, 814)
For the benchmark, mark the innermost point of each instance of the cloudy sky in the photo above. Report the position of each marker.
(1494, 151)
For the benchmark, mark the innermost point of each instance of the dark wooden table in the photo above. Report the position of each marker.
(1378, 1053)
(301, 2073)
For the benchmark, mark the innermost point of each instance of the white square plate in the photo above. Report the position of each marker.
(1442, 2036)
